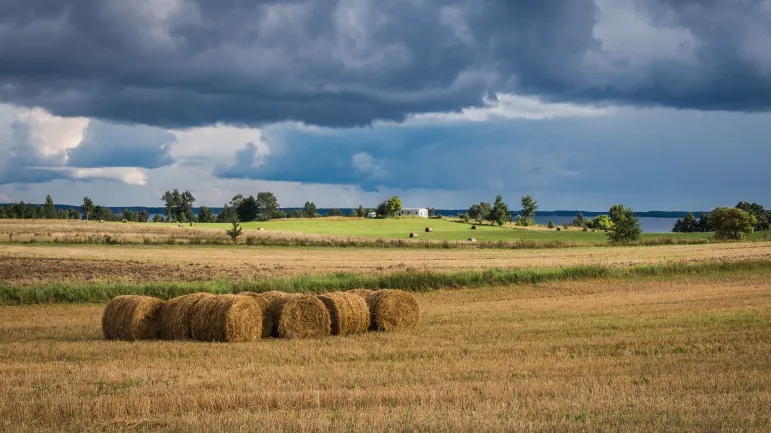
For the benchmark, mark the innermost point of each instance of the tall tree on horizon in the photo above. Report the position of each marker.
(87, 207)
(500, 213)
(49, 209)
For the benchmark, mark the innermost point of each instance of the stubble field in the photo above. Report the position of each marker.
(604, 355)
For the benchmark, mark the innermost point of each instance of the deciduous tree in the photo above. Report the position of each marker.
(87, 207)
(394, 205)
(732, 223)
(529, 206)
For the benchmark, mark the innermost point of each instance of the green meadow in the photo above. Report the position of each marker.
(400, 228)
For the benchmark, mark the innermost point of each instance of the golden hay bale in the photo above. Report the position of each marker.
(393, 310)
(269, 315)
(348, 312)
(301, 316)
(230, 318)
(361, 292)
(175, 316)
(131, 317)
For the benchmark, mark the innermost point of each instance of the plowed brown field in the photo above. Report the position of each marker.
(22, 264)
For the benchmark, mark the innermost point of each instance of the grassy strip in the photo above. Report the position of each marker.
(418, 281)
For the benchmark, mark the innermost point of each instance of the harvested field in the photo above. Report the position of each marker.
(27, 264)
(690, 354)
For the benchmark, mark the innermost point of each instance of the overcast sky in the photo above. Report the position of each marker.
(656, 104)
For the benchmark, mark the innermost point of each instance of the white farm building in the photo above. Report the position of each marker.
(413, 211)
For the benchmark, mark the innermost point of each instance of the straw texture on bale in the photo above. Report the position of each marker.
(229, 318)
(361, 292)
(301, 316)
(393, 310)
(131, 317)
(348, 312)
(175, 315)
(269, 314)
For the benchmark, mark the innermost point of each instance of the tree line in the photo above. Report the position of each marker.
(727, 223)
(48, 210)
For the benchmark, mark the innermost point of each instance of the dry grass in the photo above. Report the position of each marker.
(28, 264)
(691, 354)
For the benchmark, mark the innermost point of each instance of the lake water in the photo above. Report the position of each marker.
(648, 225)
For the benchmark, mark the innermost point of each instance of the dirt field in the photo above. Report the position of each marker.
(613, 356)
(23, 264)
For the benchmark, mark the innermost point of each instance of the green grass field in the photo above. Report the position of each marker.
(443, 230)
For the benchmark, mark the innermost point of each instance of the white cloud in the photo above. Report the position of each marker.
(4, 198)
(217, 143)
(48, 135)
(506, 106)
(127, 175)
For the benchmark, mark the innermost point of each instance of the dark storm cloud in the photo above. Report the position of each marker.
(178, 63)
(647, 156)
(111, 145)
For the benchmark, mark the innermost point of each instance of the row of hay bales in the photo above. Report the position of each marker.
(250, 316)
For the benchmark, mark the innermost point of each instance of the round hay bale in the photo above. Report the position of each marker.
(413, 235)
(269, 314)
(348, 312)
(175, 315)
(472, 239)
(559, 229)
(473, 227)
(393, 310)
(429, 229)
(131, 317)
(229, 318)
(361, 292)
(302, 316)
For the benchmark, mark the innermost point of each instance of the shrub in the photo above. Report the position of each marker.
(626, 226)
(550, 224)
(732, 223)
